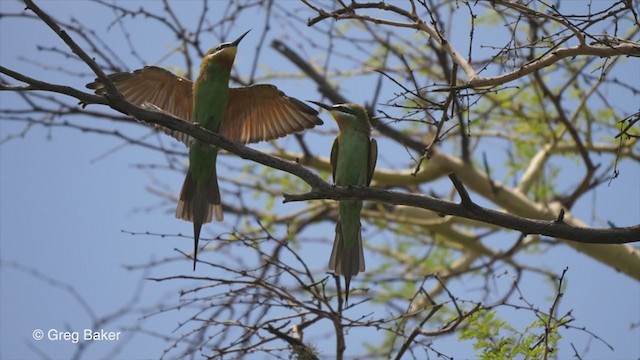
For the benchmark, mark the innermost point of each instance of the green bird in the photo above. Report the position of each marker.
(245, 114)
(353, 161)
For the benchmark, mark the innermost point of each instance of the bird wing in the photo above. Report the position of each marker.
(372, 158)
(153, 85)
(334, 158)
(156, 86)
(262, 112)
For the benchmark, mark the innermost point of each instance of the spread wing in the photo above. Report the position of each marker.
(155, 86)
(262, 112)
(254, 113)
(372, 159)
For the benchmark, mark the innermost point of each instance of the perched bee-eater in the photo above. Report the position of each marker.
(353, 161)
(246, 114)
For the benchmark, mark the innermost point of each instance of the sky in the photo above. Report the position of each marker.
(68, 204)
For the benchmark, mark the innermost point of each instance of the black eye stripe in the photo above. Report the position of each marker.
(222, 46)
(345, 109)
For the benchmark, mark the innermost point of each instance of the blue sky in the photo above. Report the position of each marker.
(65, 210)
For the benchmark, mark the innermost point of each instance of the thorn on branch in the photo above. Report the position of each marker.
(487, 169)
(560, 219)
(464, 194)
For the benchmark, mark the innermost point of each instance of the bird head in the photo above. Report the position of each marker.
(224, 53)
(348, 115)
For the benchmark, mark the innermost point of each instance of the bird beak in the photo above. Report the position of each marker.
(326, 107)
(235, 43)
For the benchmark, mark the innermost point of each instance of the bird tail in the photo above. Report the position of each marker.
(347, 260)
(199, 204)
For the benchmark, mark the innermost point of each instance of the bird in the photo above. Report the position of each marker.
(247, 114)
(353, 161)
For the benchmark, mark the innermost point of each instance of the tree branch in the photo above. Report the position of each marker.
(469, 210)
(629, 49)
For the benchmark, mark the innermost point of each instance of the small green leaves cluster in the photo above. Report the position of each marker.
(495, 339)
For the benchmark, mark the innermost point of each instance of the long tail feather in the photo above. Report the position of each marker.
(196, 238)
(347, 261)
(199, 205)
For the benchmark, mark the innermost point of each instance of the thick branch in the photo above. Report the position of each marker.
(624, 258)
(34, 84)
(443, 207)
(555, 56)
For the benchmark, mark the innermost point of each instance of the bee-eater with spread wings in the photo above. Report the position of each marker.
(353, 161)
(246, 115)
